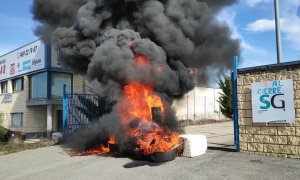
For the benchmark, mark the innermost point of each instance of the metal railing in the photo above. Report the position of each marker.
(83, 110)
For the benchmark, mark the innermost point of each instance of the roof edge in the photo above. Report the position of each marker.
(19, 48)
(270, 67)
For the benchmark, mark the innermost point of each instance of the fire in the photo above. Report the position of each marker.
(142, 106)
(101, 149)
(141, 60)
(94, 151)
(112, 140)
(137, 104)
(138, 101)
(159, 141)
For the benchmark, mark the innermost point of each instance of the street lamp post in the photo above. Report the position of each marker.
(278, 36)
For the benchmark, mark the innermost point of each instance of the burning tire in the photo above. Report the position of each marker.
(163, 156)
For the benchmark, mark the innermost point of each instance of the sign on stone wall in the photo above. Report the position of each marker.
(273, 102)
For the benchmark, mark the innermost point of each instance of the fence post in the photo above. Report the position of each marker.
(65, 110)
(205, 117)
(219, 111)
(194, 103)
(187, 107)
(235, 104)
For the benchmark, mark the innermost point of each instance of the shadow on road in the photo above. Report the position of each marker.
(135, 164)
(226, 149)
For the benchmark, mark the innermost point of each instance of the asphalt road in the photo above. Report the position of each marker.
(55, 163)
(218, 134)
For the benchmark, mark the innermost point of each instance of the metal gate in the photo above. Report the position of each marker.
(83, 110)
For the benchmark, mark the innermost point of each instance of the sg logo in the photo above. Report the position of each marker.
(268, 103)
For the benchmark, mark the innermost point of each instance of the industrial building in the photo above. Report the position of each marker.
(32, 87)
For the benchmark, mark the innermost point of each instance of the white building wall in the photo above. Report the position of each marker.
(199, 103)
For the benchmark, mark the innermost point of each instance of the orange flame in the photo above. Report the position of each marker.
(101, 149)
(137, 102)
(159, 141)
(94, 151)
(112, 140)
(138, 99)
(142, 60)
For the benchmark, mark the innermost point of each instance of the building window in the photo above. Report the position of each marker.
(16, 120)
(4, 87)
(57, 82)
(18, 85)
(38, 86)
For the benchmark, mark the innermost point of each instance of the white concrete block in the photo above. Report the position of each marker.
(194, 145)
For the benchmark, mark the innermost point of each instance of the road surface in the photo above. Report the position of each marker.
(55, 163)
(219, 135)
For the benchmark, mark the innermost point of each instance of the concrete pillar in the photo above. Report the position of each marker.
(49, 121)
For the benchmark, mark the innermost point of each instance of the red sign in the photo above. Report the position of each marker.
(12, 69)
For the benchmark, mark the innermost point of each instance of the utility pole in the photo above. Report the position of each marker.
(278, 35)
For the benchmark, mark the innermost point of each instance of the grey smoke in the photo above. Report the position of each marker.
(99, 39)
(185, 29)
(114, 61)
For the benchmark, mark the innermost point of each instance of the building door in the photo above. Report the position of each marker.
(59, 118)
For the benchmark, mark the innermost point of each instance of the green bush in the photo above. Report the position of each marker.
(225, 99)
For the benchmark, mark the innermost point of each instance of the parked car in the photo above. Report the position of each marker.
(12, 137)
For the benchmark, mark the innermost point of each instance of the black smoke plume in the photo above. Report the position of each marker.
(99, 39)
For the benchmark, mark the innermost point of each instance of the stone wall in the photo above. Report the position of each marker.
(277, 140)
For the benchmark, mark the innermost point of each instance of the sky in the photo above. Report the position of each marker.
(251, 21)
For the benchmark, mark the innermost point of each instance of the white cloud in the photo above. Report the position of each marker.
(228, 16)
(289, 22)
(261, 25)
(287, 25)
(253, 3)
(289, 7)
(291, 30)
(256, 54)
